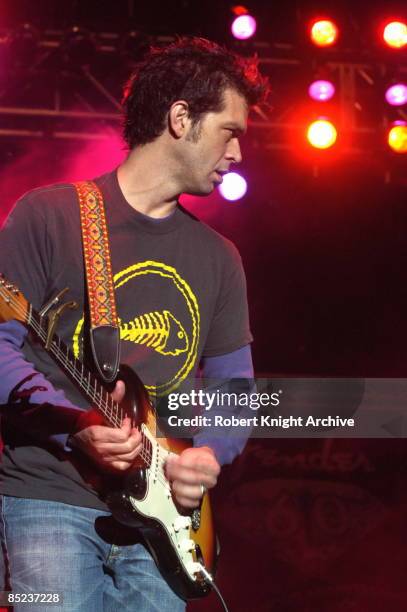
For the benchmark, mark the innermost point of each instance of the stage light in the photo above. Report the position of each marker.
(395, 34)
(239, 9)
(321, 90)
(324, 33)
(397, 137)
(244, 27)
(396, 95)
(322, 134)
(233, 186)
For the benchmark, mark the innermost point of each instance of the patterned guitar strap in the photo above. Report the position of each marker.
(104, 327)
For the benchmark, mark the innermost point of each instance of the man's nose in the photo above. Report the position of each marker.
(234, 153)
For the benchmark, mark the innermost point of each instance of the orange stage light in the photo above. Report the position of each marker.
(322, 134)
(324, 33)
(397, 137)
(395, 34)
(239, 9)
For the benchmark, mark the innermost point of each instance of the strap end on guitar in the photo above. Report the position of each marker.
(105, 343)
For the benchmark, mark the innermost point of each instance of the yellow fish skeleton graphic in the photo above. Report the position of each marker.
(160, 331)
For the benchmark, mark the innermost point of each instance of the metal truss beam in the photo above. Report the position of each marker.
(57, 117)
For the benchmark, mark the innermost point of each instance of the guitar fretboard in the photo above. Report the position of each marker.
(16, 306)
(89, 385)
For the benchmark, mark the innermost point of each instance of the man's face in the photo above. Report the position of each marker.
(213, 145)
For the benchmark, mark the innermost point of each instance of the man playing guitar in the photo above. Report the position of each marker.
(181, 300)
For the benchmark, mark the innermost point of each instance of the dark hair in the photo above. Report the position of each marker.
(193, 69)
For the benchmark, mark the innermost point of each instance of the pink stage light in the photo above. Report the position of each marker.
(243, 27)
(396, 95)
(321, 90)
(233, 186)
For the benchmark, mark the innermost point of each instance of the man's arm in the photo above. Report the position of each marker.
(235, 365)
(27, 398)
(32, 405)
(200, 466)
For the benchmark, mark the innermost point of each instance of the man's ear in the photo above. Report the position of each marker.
(178, 118)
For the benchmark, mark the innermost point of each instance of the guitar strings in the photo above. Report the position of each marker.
(145, 454)
(98, 398)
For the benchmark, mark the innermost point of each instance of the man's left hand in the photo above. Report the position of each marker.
(189, 472)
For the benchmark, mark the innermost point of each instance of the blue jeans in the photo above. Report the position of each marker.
(81, 553)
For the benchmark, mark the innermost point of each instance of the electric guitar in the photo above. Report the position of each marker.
(183, 544)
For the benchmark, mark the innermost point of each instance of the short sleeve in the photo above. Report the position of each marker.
(24, 251)
(229, 329)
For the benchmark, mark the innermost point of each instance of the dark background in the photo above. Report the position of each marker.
(305, 525)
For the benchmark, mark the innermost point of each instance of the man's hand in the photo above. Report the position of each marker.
(190, 470)
(112, 448)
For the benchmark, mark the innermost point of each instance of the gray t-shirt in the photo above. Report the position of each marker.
(180, 293)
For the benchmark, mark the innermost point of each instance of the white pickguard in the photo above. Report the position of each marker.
(159, 505)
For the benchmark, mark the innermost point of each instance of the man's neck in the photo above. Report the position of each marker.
(145, 179)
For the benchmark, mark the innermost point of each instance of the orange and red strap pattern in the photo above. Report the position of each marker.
(98, 267)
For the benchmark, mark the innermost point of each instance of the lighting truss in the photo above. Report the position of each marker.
(47, 98)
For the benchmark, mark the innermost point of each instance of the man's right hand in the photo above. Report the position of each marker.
(112, 448)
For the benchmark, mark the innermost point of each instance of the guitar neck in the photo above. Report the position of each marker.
(90, 387)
